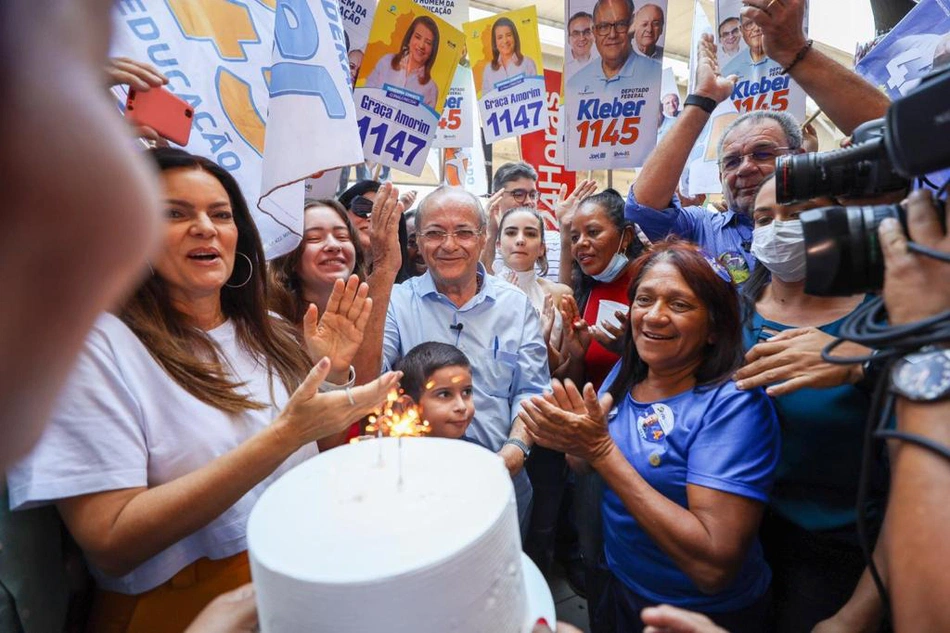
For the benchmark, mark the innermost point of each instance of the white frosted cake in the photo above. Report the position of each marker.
(337, 544)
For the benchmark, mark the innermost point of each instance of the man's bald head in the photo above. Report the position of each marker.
(445, 195)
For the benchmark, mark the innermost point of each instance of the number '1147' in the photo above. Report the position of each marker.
(394, 145)
(504, 123)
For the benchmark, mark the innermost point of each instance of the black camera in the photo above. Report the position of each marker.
(843, 256)
(860, 171)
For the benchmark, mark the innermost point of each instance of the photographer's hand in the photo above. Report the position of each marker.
(916, 551)
(915, 286)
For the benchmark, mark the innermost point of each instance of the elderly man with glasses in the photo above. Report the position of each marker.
(491, 321)
(750, 145)
(618, 66)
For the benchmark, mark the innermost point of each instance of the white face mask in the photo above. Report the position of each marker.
(780, 247)
(616, 266)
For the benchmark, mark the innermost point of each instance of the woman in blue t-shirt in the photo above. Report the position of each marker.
(688, 459)
(809, 532)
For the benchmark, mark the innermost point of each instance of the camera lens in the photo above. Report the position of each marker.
(842, 252)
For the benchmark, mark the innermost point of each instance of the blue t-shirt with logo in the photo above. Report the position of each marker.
(716, 437)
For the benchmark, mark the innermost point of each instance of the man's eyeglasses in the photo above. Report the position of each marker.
(603, 28)
(461, 236)
(730, 33)
(520, 195)
(582, 33)
(758, 156)
(363, 207)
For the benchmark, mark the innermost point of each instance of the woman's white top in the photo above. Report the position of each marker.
(528, 283)
(122, 422)
(513, 69)
(383, 74)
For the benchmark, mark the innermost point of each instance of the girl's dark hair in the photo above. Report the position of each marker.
(425, 359)
(720, 358)
(186, 352)
(612, 204)
(543, 257)
(430, 24)
(495, 53)
(286, 288)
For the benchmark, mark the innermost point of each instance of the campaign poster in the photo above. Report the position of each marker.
(540, 150)
(701, 174)
(612, 100)
(670, 106)
(457, 123)
(919, 44)
(741, 52)
(402, 85)
(465, 167)
(458, 115)
(505, 53)
(267, 83)
(357, 16)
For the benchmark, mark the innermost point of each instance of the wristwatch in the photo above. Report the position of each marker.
(703, 103)
(516, 442)
(923, 376)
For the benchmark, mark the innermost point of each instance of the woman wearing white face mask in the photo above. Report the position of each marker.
(811, 520)
(603, 244)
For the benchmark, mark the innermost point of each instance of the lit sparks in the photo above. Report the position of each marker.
(398, 417)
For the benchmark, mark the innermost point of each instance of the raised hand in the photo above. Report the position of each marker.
(311, 415)
(337, 334)
(566, 421)
(132, 73)
(709, 81)
(384, 227)
(493, 209)
(408, 198)
(781, 23)
(576, 335)
(566, 205)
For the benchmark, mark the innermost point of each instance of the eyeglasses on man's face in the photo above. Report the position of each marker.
(731, 33)
(520, 195)
(461, 236)
(576, 33)
(604, 28)
(759, 156)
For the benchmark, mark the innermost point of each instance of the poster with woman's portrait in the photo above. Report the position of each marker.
(505, 53)
(407, 68)
(457, 125)
(741, 52)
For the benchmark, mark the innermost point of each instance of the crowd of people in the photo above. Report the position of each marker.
(650, 374)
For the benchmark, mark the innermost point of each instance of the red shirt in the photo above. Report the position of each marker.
(598, 361)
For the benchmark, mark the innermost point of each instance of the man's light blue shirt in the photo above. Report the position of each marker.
(727, 236)
(743, 67)
(636, 71)
(500, 334)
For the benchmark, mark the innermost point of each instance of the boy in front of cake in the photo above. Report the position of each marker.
(438, 377)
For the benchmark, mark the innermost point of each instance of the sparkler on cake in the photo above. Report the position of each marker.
(398, 417)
